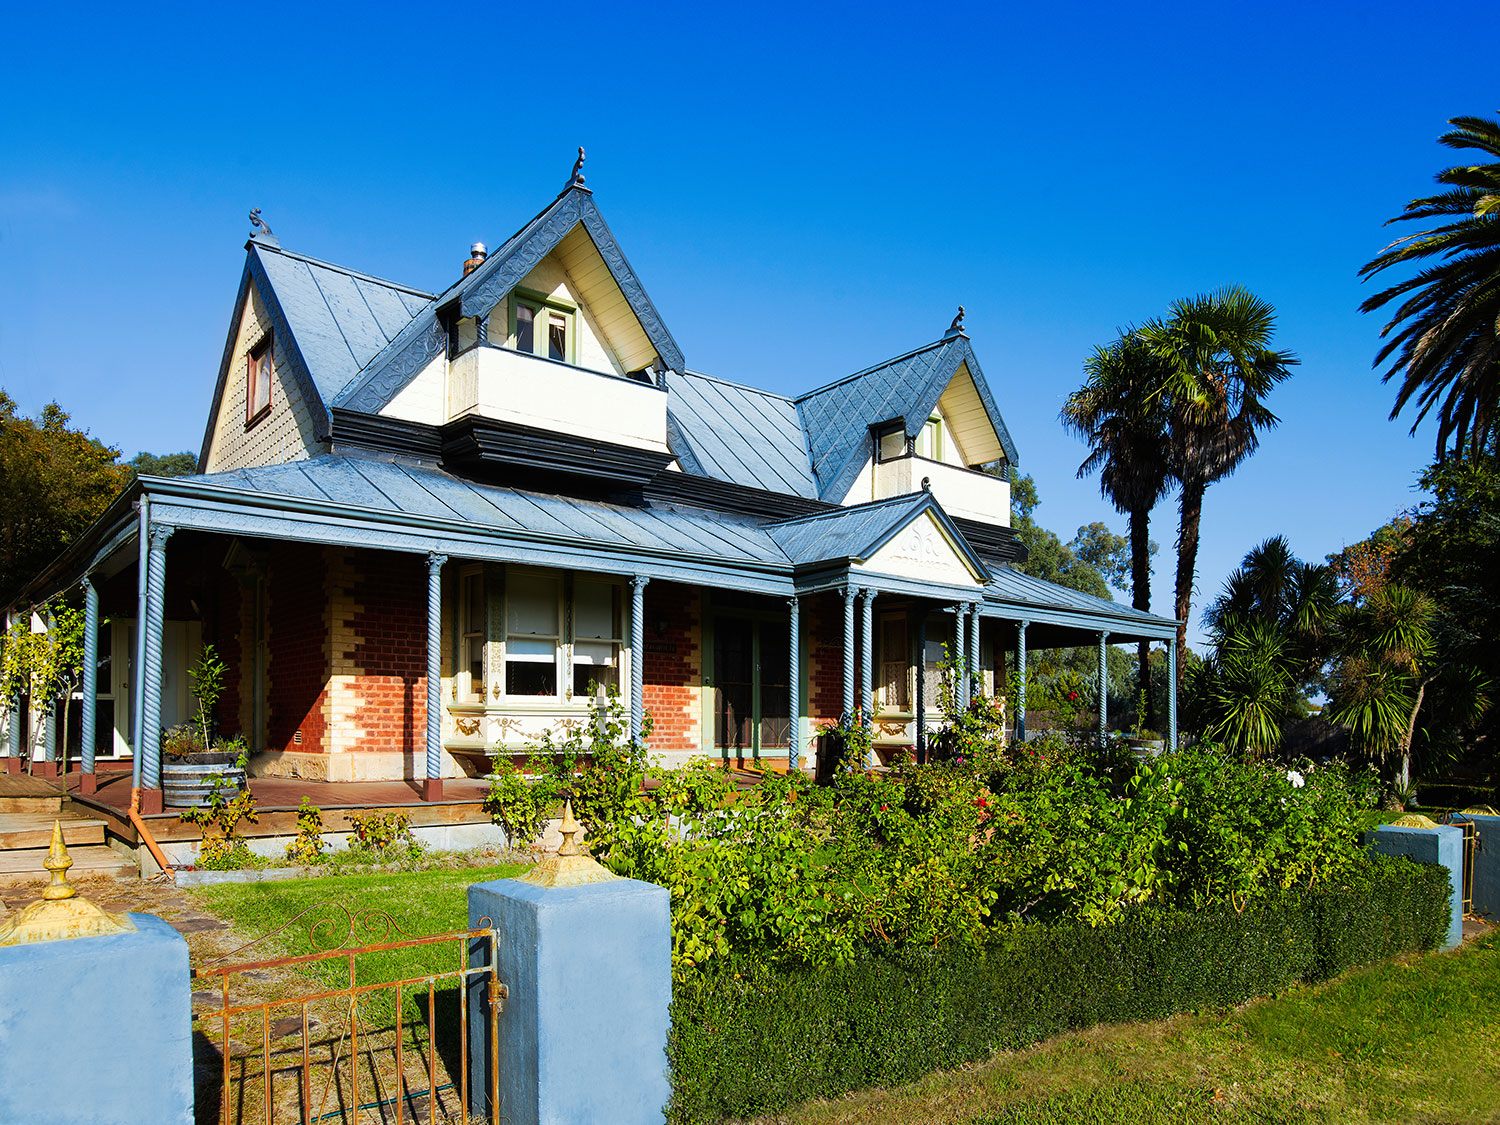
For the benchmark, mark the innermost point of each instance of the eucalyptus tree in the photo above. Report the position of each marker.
(1120, 412)
(1443, 337)
(1217, 350)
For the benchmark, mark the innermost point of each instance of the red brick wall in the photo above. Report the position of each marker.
(671, 679)
(823, 625)
(297, 649)
(389, 600)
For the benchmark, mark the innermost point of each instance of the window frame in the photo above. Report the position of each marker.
(263, 352)
(464, 688)
(544, 308)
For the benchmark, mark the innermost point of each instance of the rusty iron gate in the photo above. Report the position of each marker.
(339, 1055)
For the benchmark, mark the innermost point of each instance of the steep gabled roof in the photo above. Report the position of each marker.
(837, 418)
(736, 433)
(480, 291)
(330, 320)
(858, 531)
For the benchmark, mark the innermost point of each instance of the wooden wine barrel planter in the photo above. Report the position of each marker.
(187, 782)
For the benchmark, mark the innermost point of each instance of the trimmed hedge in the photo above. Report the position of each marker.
(747, 1039)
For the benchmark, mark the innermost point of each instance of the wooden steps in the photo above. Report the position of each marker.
(22, 793)
(34, 830)
(28, 808)
(95, 859)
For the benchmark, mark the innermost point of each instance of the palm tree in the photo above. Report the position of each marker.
(1447, 326)
(1119, 413)
(1271, 628)
(1217, 346)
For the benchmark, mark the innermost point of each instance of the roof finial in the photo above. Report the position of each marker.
(958, 322)
(576, 180)
(260, 229)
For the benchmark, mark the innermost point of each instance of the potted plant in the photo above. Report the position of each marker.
(195, 763)
(1143, 739)
(842, 745)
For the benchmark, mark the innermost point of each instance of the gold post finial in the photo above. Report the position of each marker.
(569, 829)
(571, 866)
(57, 863)
(60, 914)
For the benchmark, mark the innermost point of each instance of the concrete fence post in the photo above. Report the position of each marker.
(1439, 844)
(69, 969)
(587, 959)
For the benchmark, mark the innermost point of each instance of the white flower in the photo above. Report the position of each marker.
(1296, 779)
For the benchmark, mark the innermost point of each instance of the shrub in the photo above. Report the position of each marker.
(382, 837)
(750, 1038)
(226, 808)
(181, 741)
(307, 846)
(520, 804)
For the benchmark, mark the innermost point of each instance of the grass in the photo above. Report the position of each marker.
(1412, 1040)
(382, 906)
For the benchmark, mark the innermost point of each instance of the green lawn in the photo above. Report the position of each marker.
(1411, 1041)
(420, 903)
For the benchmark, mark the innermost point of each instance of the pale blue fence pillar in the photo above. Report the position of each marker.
(1441, 845)
(52, 996)
(588, 965)
(1485, 887)
(432, 784)
(637, 656)
(90, 686)
(794, 685)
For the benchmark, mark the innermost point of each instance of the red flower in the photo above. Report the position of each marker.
(884, 807)
(982, 803)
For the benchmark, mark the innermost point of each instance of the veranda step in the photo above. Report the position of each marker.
(34, 830)
(22, 793)
(92, 860)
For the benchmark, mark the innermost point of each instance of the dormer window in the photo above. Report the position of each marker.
(542, 326)
(930, 439)
(258, 377)
(890, 442)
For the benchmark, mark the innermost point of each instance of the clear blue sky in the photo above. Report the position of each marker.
(805, 191)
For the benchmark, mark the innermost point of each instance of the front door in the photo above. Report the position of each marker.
(751, 698)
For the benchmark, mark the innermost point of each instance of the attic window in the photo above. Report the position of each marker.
(543, 327)
(890, 442)
(258, 378)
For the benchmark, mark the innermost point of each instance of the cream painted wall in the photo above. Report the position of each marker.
(499, 383)
(423, 399)
(286, 432)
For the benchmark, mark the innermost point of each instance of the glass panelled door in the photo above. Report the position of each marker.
(752, 699)
(734, 684)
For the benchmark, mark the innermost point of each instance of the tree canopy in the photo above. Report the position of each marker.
(54, 482)
(1443, 337)
(164, 465)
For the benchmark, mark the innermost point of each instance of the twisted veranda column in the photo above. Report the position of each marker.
(156, 587)
(1171, 695)
(1021, 681)
(794, 685)
(1103, 686)
(90, 685)
(848, 715)
(637, 657)
(432, 787)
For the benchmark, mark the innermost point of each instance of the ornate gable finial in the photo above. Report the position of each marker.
(576, 180)
(958, 323)
(260, 229)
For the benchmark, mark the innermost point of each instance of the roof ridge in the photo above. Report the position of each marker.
(872, 368)
(884, 501)
(741, 386)
(387, 282)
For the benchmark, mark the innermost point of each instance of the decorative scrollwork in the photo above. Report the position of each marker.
(468, 727)
(330, 931)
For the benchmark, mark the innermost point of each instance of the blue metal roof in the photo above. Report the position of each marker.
(1016, 595)
(739, 434)
(859, 531)
(340, 319)
(837, 418)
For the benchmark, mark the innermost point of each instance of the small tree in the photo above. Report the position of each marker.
(208, 688)
(44, 667)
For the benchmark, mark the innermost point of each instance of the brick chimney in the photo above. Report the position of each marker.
(477, 255)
